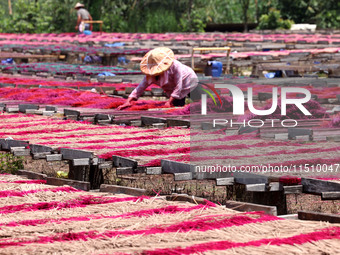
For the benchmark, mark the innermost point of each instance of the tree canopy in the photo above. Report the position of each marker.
(153, 16)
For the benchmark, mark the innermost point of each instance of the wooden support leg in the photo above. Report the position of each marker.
(79, 173)
(106, 60)
(228, 62)
(274, 198)
(254, 71)
(230, 192)
(96, 177)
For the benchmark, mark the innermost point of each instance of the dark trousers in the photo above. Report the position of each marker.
(87, 26)
(194, 95)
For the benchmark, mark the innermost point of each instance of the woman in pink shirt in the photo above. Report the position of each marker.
(176, 79)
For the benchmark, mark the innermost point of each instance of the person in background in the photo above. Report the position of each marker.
(82, 15)
(176, 79)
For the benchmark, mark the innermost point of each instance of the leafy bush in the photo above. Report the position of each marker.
(196, 22)
(328, 18)
(62, 174)
(27, 18)
(51, 16)
(10, 164)
(160, 21)
(273, 20)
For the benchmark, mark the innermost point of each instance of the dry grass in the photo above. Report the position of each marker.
(102, 220)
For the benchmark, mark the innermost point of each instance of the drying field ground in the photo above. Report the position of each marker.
(150, 146)
(40, 219)
(59, 95)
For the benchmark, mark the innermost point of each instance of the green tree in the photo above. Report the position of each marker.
(37, 16)
(23, 18)
(329, 14)
(245, 7)
(64, 15)
(195, 17)
(273, 20)
(326, 14)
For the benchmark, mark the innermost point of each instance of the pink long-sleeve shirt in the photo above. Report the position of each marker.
(177, 81)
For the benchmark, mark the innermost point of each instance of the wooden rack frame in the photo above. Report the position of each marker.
(100, 22)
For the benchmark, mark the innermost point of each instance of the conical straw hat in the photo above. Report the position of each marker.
(157, 61)
(78, 5)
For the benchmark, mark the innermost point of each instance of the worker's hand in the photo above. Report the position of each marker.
(127, 103)
(123, 106)
(76, 27)
(168, 104)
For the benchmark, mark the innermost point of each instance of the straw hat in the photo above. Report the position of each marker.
(78, 5)
(157, 61)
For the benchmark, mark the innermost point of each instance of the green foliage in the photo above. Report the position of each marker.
(160, 21)
(112, 14)
(329, 16)
(61, 15)
(229, 11)
(196, 21)
(52, 16)
(300, 11)
(38, 17)
(23, 20)
(273, 20)
(10, 164)
(62, 174)
(325, 14)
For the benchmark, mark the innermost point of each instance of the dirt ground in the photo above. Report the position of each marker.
(44, 219)
(164, 185)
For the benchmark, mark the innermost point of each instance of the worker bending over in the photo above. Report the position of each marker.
(176, 79)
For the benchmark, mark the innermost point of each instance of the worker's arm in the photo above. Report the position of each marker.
(169, 103)
(135, 94)
(138, 92)
(127, 103)
(78, 22)
(176, 93)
